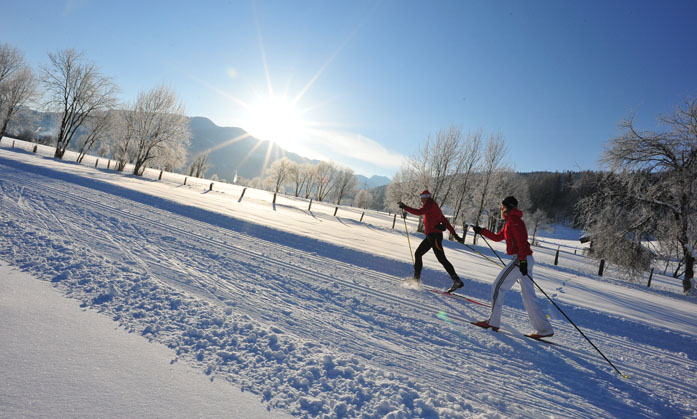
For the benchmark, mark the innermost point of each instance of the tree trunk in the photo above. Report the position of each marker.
(689, 270)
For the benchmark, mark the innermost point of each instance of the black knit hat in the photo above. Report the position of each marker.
(510, 202)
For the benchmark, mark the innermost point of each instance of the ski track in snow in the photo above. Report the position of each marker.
(314, 328)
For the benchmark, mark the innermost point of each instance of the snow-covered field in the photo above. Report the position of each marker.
(304, 311)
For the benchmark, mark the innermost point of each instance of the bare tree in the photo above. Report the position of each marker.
(472, 154)
(345, 182)
(198, 167)
(492, 160)
(155, 124)
(278, 173)
(76, 90)
(654, 186)
(17, 84)
(438, 162)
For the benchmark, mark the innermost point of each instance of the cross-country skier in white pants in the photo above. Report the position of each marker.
(518, 269)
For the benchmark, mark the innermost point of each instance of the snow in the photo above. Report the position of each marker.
(181, 296)
(59, 360)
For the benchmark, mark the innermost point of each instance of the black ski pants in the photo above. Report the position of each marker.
(432, 241)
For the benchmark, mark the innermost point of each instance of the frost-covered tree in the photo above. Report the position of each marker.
(345, 183)
(324, 176)
(492, 162)
(99, 128)
(472, 154)
(198, 167)
(155, 125)
(650, 192)
(536, 221)
(76, 90)
(437, 163)
(364, 199)
(278, 174)
(17, 84)
(404, 187)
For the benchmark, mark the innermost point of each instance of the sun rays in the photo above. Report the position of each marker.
(275, 116)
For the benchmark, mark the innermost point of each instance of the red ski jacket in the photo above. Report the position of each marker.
(432, 217)
(515, 234)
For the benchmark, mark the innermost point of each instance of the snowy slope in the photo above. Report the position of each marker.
(304, 309)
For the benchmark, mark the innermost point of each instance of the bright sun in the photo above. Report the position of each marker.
(275, 119)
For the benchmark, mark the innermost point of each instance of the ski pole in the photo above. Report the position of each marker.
(567, 317)
(574, 324)
(492, 249)
(482, 254)
(404, 217)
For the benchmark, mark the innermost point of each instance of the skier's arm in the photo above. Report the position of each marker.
(415, 211)
(497, 237)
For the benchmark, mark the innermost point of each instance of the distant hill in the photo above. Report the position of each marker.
(231, 150)
(372, 182)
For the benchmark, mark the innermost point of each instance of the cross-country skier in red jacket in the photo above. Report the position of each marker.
(518, 269)
(434, 225)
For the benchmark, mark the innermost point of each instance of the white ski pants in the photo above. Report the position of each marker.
(508, 276)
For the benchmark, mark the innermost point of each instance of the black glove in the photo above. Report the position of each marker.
(477, 229)
(401, 204)
(524, 267)
(441, 227)
(458, 238)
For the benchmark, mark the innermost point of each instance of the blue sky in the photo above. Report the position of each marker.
(364, 83)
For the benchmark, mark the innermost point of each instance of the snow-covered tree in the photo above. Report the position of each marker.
(492, 162)
(279, 173)
(17, 84)
(198, 167)
(76, 90)
(155, 125)
(324, 176)
(345, 183)
(650, 192)
(364, 199)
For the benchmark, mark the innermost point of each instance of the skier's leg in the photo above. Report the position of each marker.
(538, 320)
(424, 247)
(440, 255)
(509, 274)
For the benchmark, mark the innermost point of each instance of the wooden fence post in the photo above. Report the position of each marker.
(243, 191)
(160, 177)
(602, 267)
(309, 207)
(650, 277)
(274, 198)
(96, 163)
(108, 165)
(394, 221)
(362, 217)
(556, 257)
(185, 180)
(335, 210)
(211, 187)
(35, 148)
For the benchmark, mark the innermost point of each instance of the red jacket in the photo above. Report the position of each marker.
(515, 234)
(432, 217)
